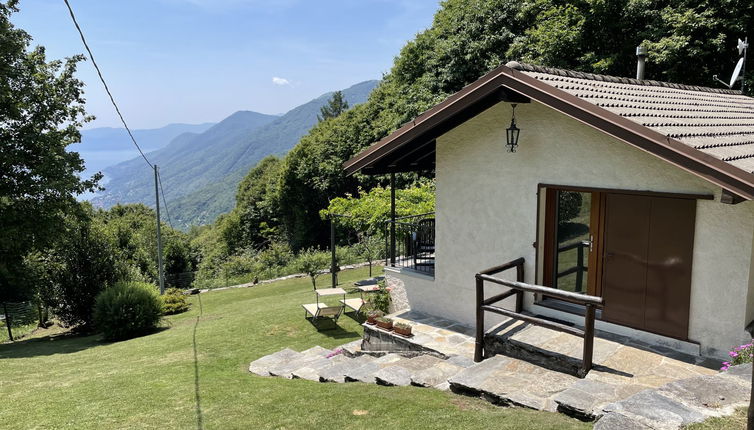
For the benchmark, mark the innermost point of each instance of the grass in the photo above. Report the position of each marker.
(736, 421)
(194, 374)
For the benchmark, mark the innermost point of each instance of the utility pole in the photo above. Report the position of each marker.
(159, 234)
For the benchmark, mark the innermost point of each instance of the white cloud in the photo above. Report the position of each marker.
(280, 81)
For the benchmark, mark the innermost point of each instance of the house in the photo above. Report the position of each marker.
(634, 191)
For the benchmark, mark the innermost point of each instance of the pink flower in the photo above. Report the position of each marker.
(733, 354)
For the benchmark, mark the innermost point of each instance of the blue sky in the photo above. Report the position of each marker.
(196, 61)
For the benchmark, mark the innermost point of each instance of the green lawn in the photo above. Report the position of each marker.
(736, 421)
(193, 374)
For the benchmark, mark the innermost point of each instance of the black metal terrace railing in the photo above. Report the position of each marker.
(410, 243)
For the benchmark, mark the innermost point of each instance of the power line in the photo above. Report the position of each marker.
(167, 212)
(91, 56)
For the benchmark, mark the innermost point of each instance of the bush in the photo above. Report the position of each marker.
(127, 309)
(174, 302)
(381, 298)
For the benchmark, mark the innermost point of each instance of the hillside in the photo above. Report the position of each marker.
(200, 172)
(105, 146)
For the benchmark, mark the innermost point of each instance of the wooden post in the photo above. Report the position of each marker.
(520, 294)
(579, 267)
(586, 363)
(392, 219)
(7, 321)
(750, 414)
(333, 264)
(479, 345)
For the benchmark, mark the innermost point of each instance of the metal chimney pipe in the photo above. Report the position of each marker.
(641, 55)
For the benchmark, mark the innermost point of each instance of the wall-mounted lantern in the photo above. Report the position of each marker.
(512, 133)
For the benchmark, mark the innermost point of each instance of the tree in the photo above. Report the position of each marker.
(312, 262)
(41, 110)
(83, 263)
(368, 247)
(334, 107)
(256, 208)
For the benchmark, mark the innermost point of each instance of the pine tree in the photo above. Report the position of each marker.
(334, 107)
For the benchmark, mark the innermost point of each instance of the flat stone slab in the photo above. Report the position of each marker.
(461, 360)
(338, 372)
(364, 373)
(393, 376)
(261, 366)
(312, 371)
(311, 356)
(584, 398)
(651, 408)
(741, 371)
(718, 392)
(508, 381)
(435, 375)
(616, 421)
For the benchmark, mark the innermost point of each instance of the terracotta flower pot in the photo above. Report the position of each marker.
(402, 331)
(385, 325)
(371, 320)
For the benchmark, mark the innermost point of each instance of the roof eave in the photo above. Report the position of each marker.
(671, 150)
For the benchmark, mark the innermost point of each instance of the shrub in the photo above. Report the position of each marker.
(345, 255)
(174, 302)
(127, 309)
(740, 355)
(381, 298)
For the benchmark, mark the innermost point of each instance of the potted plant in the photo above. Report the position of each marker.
(402, 329)
(385, 323)
(373, 315)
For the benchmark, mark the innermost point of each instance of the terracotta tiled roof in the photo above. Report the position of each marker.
(717, 122)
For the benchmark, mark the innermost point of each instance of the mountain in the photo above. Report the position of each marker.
(106, 146)
(200, 171)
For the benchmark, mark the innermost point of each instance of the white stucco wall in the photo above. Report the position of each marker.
(487, 206)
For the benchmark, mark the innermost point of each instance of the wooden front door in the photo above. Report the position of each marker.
(646, 262)
(633, 250)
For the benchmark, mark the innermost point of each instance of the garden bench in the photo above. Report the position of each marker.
(365, 286)
(320, 310)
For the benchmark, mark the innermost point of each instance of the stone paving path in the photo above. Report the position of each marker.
(631, 387)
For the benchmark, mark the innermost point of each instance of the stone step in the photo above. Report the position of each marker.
(312, 356)
(366, 372)
(509, 381)
(261, 366)
(679, 403)
(400, 374)
(313, 370)
(338, 372)
(352, 349)
(436, 375)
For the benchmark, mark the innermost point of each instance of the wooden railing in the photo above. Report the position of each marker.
(518, 288)
(580, 268)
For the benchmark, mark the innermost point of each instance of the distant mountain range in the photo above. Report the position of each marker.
(200, 170)
(105, 146)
